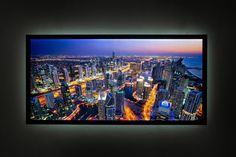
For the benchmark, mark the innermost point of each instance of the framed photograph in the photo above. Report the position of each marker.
(116, 79)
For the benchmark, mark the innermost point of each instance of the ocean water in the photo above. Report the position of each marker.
(194, 61)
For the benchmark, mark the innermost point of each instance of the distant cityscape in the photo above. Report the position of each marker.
(116, 87)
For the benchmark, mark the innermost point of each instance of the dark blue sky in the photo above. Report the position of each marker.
(101, 47)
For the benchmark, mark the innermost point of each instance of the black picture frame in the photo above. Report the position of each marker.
(203, 121)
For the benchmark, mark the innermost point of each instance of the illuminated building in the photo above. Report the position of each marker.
(150, 80)
(101, 105)
(140, 87)
(87, 71)
(191, 105)
(167, 75)
(162, 95)
(55, 78)
(94, 70)
(128, 90)
(66, 75)
(164, 109)
(120, 79)
(110, 107)
(42, 100)
(81, 72)
(50, 100)
(135, 67)
(119, 104)
(107, 79)
(178, 71)
(147, 89)
(177, 101)
(65, 92)
(156, 73)
(72, 73)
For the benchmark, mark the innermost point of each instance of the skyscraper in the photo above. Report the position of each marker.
(167, 75)
(191, 105)
(177, 101)
(147, 90)
(81, 72)
(157, 72)
(150, 80)
(72, 73)
(55, 77)
(65, 92)
(110, 107)
(120, 95)
(66, 75)
(120, 78)
(101, 105)
(94, 70)
(50, 99)
(178, 71)
(140, 87)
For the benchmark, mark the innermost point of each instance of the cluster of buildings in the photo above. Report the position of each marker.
(108, 84)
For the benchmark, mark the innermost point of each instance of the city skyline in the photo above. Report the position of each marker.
(92, 87)
(103, 47)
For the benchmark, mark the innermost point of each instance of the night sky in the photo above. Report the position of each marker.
(105, 47)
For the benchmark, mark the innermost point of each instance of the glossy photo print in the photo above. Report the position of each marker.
(116, 79)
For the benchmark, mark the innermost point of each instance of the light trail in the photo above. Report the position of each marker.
(129, 114)
(149, 103)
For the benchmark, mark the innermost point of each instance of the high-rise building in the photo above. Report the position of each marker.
(119, 104)
(135, 68)
(150, 80)
(167, 75)
(72, 73)
(128, 90)
(157, 72)
(164, 109)
(50, 99)
(66, 75)
(191, 105)
(120, 79)
(162, 95)
(140, 82)
(65, 92)
(110, 107)
(94, 70)
(107, 79)
(178, 71)
(101, 105)
(55, 78)
(177, 101)
(147, 90)
(81, 72)
(87, 71)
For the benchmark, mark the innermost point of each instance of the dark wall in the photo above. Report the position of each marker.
(93, 17)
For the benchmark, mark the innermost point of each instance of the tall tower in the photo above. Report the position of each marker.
(140, 87)
(120, 95)
(55, 77)
(66, 75)
(191, 105)
(101, 105)
(147, 90)
(81, 72)
(177, 101)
